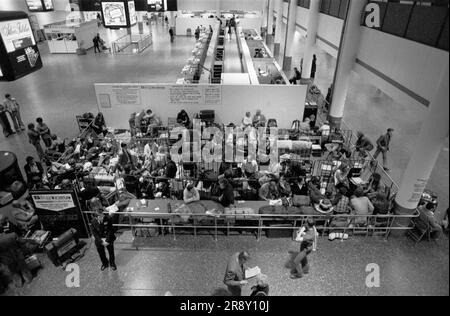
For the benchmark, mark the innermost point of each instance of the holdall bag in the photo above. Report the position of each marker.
(301, 200)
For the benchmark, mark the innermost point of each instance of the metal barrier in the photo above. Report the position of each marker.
(132, 43)
(167, 223)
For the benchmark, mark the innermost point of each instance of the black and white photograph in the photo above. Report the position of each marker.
(214, 151)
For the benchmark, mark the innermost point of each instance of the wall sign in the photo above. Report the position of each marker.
(59, 211)
(156, 6)
(40, 5)
(19, 54)
(119, 13)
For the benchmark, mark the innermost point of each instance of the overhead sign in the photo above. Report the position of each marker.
(16, 34)
(114, 13)
(54, 202)
(40, 5)
(19, 53)
(132, 12)
(156, 6)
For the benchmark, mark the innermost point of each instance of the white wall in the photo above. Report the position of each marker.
(182, 24)
(415, 66)
(330, 29)
(284, 103)
(201, 5)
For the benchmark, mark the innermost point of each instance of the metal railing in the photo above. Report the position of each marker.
(168, 223)
(132, 43)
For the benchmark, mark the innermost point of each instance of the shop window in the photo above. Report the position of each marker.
(443, 41)
(426, 24)
(325, 6)
(396, 19)
(334, 8)
(343, 9)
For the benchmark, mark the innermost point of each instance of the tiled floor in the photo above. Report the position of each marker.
(196, 266)
(64, 88)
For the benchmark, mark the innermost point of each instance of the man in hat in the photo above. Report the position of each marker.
(383, 144)
(190, 194)
(235, 273)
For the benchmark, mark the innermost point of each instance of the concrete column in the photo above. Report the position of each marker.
(270, 22)
(278, 28)
(349, 45)
(290, 35)
(313, 25)
(218, 8)
(429, 145)
(265, 12)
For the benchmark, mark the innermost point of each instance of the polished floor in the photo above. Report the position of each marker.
(64, 89)
(195, 266)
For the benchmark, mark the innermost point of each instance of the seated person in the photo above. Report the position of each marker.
(427, 216)
(24, 215)
(381, 204)
(57, 144)
(247, 121)
(363, 144)
(258, 53)
(325, 131)
(269, 191)
(284, 187)
(341, 205)
(226, 197)
(33, 170)
(277, 168)
(153, 122)
(190, 194)
(299, 187)
(130, 180)
(341, 177)
(259, 120)
(375, 186)
(183, 119)
(170, 170)
(305, 126)
(361, 206)
(314, 191)
(249, 168)
(150, 149)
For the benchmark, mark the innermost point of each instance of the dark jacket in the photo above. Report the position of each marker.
(171, 170)
(227, 197)
(234, 274)
(103, 230)
(30, 174)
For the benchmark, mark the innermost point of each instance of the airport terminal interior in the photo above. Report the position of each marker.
(223, 147)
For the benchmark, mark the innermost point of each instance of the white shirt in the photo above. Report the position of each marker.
(325, 129)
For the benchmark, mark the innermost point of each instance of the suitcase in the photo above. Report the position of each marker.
(279, 233)
(207, 116)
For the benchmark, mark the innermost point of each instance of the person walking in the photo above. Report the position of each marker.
(13, 107)
(97, 43)
(307, 237)
(171, 35)
(35, 139)
(197, 33)
(314, 67)
(4, 121)
(383, 144)
(44, 131)
(235, 273)
(103, 233)
(296, 76)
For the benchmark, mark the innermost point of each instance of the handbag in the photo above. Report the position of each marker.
(301, 200)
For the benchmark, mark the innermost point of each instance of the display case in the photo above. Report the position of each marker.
(67, 37)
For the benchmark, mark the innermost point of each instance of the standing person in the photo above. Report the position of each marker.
(99, 124)
(44, 131)
(4, 121)
(307, 237)
(171, 35)
(33, 170)
(235, 273)
(383, 144)
(13, 107)
(314, 67)
(35, 140)
(197, 33)
(103, 232)
(97, 42)
(230, 32)
(328, 98)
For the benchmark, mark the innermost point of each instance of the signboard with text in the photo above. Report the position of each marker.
(58, 211)
(18, 50)
(40, 5)
(119, 13)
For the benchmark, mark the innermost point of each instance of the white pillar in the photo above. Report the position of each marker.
(429, 145)
(346, 60)
(172, 19)
(270, 17)
(313, 25)
(265, 13)
(278, 27)
(218, 8)
(289, 44)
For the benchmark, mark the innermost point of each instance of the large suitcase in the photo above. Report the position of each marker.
(279, 233)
